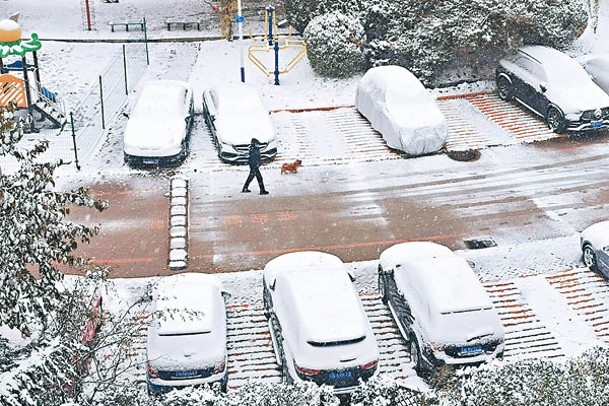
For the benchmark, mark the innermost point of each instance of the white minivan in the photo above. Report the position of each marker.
(318, 326)
(440, 306)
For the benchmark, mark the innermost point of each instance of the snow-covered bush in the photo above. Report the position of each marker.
(428, 37)
(579, 381)
(387, 391)
(300, 12)
(334, 45)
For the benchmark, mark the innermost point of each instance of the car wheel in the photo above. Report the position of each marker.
(555, 120)
(504, 88)
(415, 355)
(590, 258)
(382, 289)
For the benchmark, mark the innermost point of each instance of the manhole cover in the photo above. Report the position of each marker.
(477, 243)
(467, 155)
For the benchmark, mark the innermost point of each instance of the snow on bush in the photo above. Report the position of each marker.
(429, 37)
(334, 45)
(579, 381)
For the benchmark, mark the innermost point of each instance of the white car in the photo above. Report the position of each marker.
(186, 342)
(159, 126)
(318, 326)
(597, 67)
(554, 86)
(234, 113)
(594, 242)
(440, 306)
(400, 108)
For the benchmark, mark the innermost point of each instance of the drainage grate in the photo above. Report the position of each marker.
(477, 243)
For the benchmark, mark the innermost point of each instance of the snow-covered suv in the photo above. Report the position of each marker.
(187, 333)
(440, 306)
(318, 326)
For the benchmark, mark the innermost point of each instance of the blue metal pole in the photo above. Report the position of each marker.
(270, 11)
(277, 62)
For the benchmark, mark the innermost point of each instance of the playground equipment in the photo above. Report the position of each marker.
(271, 43)
(25, 92)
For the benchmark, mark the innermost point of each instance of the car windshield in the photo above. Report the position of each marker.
(336, 343)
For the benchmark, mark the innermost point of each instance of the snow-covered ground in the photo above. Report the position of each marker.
(71, 69)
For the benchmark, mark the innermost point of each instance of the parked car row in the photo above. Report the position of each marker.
(318, 326)
(159, 126)
(569, 94)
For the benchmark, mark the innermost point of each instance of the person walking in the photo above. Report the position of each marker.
(254, 160)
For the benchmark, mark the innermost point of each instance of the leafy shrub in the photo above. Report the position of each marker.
(334, 45)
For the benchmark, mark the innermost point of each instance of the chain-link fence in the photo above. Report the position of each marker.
(88, 122)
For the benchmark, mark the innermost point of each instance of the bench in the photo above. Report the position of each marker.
(126, 24)
(183, 22)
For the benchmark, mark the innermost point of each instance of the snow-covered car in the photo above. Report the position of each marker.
(594, 242)
(186, 342)
(159, 126)
(235, 114)
(400, 108)
(597, 67)
(554, 86)
(319, 330)
(440, 306)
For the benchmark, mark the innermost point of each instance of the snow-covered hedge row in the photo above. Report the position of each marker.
(377, 392)
(430, 36)
(579, 381)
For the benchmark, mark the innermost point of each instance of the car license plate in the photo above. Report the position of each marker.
(149, 161)
(470, 350)
(595, 124)
(186, 374)
(335, 376)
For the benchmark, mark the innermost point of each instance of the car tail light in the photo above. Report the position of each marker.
(219, 367)
(370, 365)
(307, 371)
(437, 346)
(153, 373)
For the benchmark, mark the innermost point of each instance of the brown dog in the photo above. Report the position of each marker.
(293, 167)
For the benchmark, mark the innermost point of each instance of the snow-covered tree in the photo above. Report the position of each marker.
(35, 233)
(429, 37)
(335, 45)
(35, 238)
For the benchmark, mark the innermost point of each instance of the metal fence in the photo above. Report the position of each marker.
(85, 131)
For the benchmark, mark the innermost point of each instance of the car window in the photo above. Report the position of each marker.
(533, 68)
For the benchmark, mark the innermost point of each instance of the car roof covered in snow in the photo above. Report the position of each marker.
(557, 65)
(445, 279)
(319, 296)
(187, 304)
(159, 96)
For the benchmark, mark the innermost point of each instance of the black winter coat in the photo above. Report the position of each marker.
(254, 159)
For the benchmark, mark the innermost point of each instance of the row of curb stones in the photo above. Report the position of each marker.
(178, 224)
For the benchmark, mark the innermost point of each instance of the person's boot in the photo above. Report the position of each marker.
(245, 190)
(264, 192)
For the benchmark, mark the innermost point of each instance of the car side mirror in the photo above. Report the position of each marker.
(606, 249)
(272, 285)
(126, 114)
(351, 276)
(543, 87)
(226, 295)
(471, 264)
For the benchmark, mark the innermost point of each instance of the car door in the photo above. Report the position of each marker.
(602, 258)
(399, 304)
(531, 82)
(210, 109)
